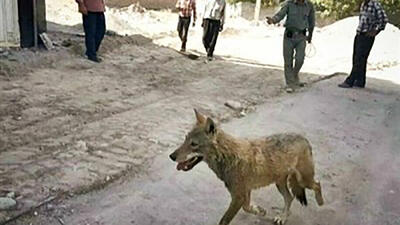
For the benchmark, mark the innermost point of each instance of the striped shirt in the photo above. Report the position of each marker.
(372, 17)
(186, 7)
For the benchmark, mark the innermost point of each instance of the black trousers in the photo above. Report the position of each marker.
(183, 28)
(210, 35)
(362, 47)
(94, 25)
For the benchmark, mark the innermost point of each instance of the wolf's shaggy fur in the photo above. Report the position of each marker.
(244, 165)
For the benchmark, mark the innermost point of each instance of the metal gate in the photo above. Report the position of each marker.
(9, 28)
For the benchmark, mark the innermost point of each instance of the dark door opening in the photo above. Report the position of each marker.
(25, 19)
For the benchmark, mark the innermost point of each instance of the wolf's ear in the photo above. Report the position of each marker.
(210, 126)
(200, 118)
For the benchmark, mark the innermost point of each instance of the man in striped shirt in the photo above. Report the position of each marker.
(373, 20)
(187, 9)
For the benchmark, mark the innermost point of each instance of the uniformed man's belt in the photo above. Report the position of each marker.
(295, 31)
(292, 33)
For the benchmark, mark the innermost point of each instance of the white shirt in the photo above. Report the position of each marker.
(215, 10)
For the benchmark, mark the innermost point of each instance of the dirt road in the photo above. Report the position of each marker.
(354, 133)
(69, 127)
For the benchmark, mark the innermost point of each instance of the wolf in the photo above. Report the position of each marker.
(247, 164)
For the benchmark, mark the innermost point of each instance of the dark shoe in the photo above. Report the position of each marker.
(183, 47)
(290, 88)
(344, 85)
(95, 59)
(301, 84)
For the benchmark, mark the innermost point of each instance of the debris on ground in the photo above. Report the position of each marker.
(7, 203)
(234, 105)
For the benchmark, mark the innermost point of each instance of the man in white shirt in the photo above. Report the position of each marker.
(213, 23)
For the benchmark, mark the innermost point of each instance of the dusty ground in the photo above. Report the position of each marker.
(354, 133)
(70, 127)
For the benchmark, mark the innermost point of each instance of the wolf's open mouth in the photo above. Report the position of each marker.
(189, 164)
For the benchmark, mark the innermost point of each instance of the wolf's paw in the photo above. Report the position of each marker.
(256, 210)
(318, 194)
(320, 200)
(280, 220)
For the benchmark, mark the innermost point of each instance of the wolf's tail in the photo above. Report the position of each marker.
(297, 190)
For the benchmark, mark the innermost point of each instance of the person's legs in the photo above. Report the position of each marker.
(365, 48)
(356, 63)
(214, 36)
(299, 59)
(185, 31)
(180, 28)
(89, 27)
(100, 29)
(288, 51)
(206, 34)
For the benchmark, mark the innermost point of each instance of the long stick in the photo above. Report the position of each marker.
(35, 29)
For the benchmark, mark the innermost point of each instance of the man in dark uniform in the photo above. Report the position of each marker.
(300, 22)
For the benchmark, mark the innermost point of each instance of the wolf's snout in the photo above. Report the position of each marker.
(172, 157)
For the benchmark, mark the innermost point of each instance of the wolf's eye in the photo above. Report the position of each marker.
(194, 144)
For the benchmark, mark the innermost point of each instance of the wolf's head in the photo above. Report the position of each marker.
(196, 145)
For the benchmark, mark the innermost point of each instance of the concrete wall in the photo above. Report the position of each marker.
(9, 29)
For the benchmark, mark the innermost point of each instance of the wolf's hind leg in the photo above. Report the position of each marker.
(316, 187)
(287, 196)
(253, 209)
(295, 174)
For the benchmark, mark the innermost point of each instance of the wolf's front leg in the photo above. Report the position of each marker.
(236, 204)
(253, 209)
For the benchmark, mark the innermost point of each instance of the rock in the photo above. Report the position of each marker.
(111, 33)
(82, 145)
(7, 203)
(154, 141)
(49, 206)
(234, 105)
(66, 43)
(11, 195)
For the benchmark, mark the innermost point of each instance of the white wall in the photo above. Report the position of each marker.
(9, 28)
